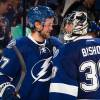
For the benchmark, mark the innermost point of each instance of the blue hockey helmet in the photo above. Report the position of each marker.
(39, 13)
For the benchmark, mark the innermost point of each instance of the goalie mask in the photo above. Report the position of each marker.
(77, 24)
(74, 25)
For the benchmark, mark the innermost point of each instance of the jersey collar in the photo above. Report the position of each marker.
(83, 37)
(42, 44)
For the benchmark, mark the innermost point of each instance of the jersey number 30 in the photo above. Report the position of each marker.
(90, 76)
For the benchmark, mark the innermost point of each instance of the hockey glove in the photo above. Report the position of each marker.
(9, 94)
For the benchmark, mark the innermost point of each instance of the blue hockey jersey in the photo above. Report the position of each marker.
(78, 71)
(38, 62)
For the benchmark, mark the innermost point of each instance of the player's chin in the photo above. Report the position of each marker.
(47, 35)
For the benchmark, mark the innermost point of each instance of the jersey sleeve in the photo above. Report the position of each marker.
(9, 63)
(9, 68)
(64, 85)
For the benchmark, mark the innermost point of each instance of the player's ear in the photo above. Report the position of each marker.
(37, 24)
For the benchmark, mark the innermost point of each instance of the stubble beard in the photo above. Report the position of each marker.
(45, 35)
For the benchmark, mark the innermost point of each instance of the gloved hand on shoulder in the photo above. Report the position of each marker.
(9, 94)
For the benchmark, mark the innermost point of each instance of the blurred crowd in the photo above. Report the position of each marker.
(10, 20)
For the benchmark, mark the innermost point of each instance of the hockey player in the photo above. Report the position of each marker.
(37, 50)
(77, 65)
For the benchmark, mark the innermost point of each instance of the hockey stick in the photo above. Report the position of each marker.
(36, 3)
(68, 4)
(23, 69)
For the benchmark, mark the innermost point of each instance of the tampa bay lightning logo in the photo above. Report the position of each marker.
(41, 71)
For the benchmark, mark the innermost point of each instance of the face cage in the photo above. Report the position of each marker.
(67, 36)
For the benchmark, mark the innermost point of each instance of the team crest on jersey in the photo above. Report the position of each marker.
(42, 70)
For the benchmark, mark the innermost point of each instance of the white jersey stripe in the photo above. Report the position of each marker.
(64, 88)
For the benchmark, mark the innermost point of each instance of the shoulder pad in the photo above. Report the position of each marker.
(11, 43)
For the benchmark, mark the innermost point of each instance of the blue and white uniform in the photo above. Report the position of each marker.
(38, 62)
(78, 71)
